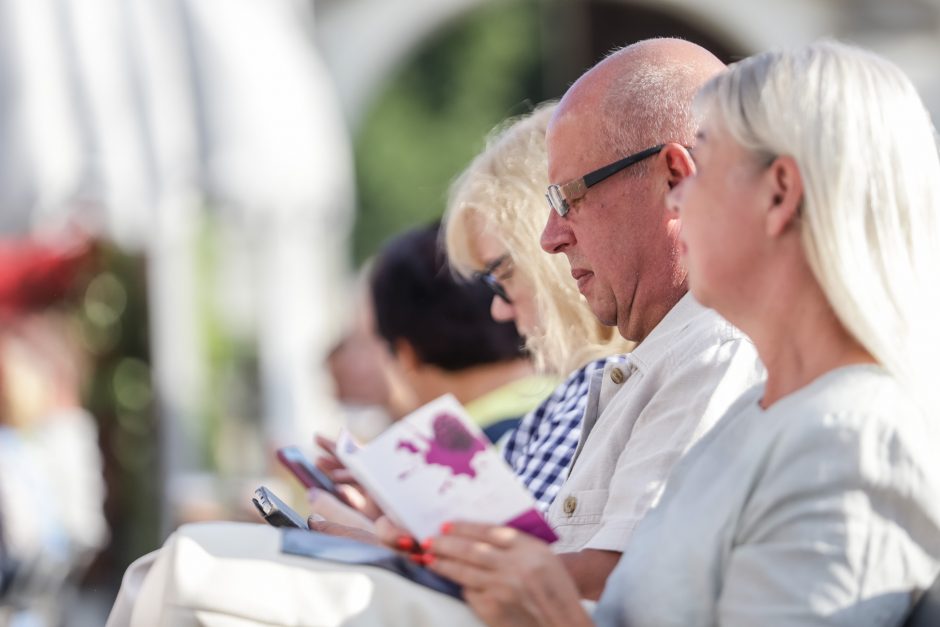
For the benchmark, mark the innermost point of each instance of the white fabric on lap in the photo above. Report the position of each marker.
(234, 574)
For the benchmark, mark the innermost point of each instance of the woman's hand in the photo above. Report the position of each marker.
(509, 577)
(317, 523)
(328, 461)
(396, 538)
(352, 493)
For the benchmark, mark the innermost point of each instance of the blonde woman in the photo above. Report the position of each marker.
(495, 214)
(812, 222)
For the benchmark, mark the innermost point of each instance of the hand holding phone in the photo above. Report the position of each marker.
(309, 475)
(330, 463)
(328, 460)
(312, 477)
(275, 511)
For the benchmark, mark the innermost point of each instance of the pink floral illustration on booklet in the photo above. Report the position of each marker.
(452, 446)
(435, 465)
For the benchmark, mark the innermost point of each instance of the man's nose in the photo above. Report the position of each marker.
(556, 235)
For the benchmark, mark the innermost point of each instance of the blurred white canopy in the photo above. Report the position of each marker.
(133, 117)
(106, 105)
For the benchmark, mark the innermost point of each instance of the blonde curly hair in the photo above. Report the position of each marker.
(502, 193)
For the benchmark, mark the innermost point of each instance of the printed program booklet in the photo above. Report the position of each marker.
(434, 466)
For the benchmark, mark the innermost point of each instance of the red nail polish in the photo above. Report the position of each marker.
(417, 558)
(426, 545)
(446, 528)
(428, 559)
(405, 543)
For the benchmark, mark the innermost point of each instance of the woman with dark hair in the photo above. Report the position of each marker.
(442, 338)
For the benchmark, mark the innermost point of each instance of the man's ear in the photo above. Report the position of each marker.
(678, 163)
(786, 195)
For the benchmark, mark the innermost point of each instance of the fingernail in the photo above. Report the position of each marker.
(417, 558)
(447, 528)
(405, 543)
(426, 545)
(427, 559)
(316, 518)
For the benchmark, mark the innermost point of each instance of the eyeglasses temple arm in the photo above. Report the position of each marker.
(599, 175)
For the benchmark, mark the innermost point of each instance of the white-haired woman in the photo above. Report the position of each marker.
(494, 217)
(812, 224)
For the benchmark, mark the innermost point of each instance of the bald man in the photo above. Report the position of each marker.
(616, 145)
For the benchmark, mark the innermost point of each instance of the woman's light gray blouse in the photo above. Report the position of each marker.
(822, 510)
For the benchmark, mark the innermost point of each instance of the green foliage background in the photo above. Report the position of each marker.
(435, 114)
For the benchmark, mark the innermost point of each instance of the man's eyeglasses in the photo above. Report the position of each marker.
(560, 197)
(489, 279)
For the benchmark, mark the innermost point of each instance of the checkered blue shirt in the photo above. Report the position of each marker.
(543, 445)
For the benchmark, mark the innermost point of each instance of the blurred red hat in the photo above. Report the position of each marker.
(34, 274)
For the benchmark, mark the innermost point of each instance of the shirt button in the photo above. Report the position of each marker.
(617, 376)
(571, 504)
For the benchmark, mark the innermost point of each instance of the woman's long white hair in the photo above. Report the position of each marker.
(502, 193)
(867, 153)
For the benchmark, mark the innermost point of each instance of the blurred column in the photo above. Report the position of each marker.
(131, 75)
(279, 164)
(41, 151)
(136, 117)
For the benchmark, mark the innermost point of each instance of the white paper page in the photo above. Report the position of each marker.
(435, 466)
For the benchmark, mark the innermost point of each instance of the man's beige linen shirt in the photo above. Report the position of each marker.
(642, 416)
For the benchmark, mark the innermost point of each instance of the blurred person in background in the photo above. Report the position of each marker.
(371, 393)
(441, 338)
(51, 486)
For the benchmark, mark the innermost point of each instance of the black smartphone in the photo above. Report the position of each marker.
(309, 475)
(276, 511)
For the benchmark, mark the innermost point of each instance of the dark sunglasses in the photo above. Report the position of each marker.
(488, 277)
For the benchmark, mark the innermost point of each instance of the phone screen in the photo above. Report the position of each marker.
(309, 475)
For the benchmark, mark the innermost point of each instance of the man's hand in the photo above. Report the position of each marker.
(590, 568)
(317, 523)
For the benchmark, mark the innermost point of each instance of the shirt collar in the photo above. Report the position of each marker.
(654, 346)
